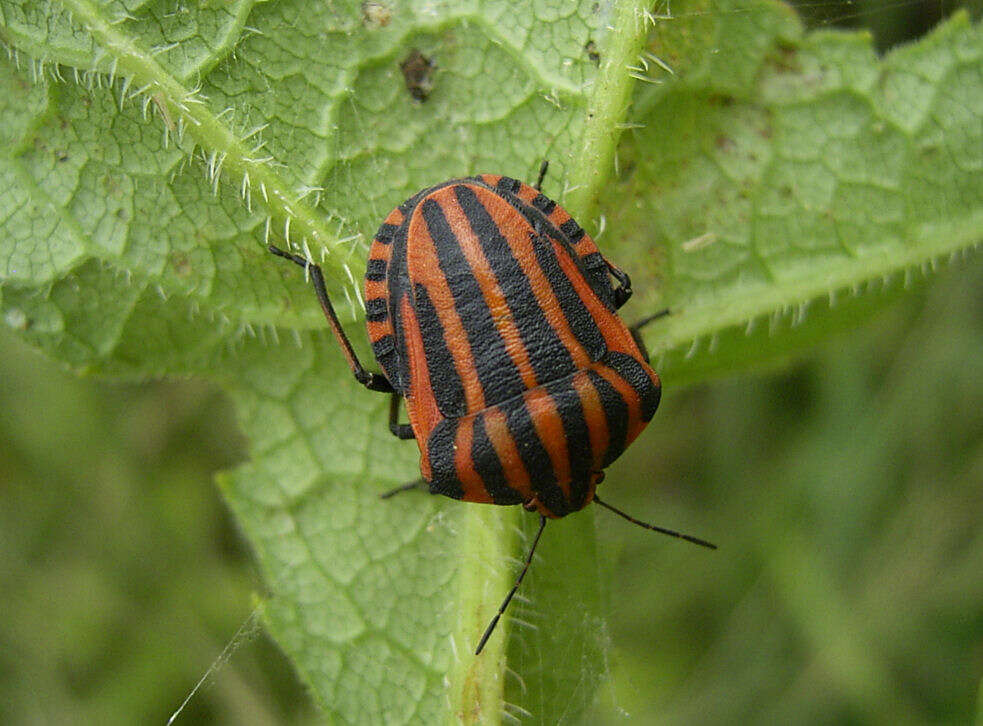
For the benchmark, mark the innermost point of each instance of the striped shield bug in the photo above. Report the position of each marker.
(493, 316)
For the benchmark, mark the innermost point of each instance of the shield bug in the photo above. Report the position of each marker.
(493, 316)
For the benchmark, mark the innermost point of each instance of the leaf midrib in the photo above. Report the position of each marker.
(698, 320)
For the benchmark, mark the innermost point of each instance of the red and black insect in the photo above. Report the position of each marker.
(494, 317)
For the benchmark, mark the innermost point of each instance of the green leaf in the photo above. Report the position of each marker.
(781, 174)
(149, 155)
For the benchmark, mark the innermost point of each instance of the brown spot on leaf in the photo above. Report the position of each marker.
(375, 15)
(181, 264)
(785, 58)
(721, 99)
(592, 52)
(418, 74)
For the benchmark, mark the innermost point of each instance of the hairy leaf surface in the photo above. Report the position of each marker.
(150, 151)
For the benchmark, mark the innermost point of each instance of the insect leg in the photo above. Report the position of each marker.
(515, 588)
(623, 292)
(372, 381)
(420, 484)
(636, 331)
(538, 186)
(399, 430)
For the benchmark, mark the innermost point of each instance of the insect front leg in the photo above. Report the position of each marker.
(623, 292)
(372, 381)
(538, 186)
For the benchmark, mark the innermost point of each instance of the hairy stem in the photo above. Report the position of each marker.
(489, 537)
(226, 151)
(607, 107)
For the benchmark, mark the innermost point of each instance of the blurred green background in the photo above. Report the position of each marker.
(845, 490)
(846, 494)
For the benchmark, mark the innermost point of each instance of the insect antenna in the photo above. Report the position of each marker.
(515, 588)
(670, 532)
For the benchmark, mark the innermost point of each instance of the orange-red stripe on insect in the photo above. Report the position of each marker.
(517, 234)
(594, 416)
(497, 430)
(424, 268)
(616, 335)
(549, 427)
(471, 481)
(631, 399)
(421, 406)
(494, 297)
(526, 193)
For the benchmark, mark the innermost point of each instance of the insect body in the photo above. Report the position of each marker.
(493, 316)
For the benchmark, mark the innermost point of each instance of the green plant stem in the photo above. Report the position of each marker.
(607, 108)
(478, 682)
(488, 541)
(225, 150)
